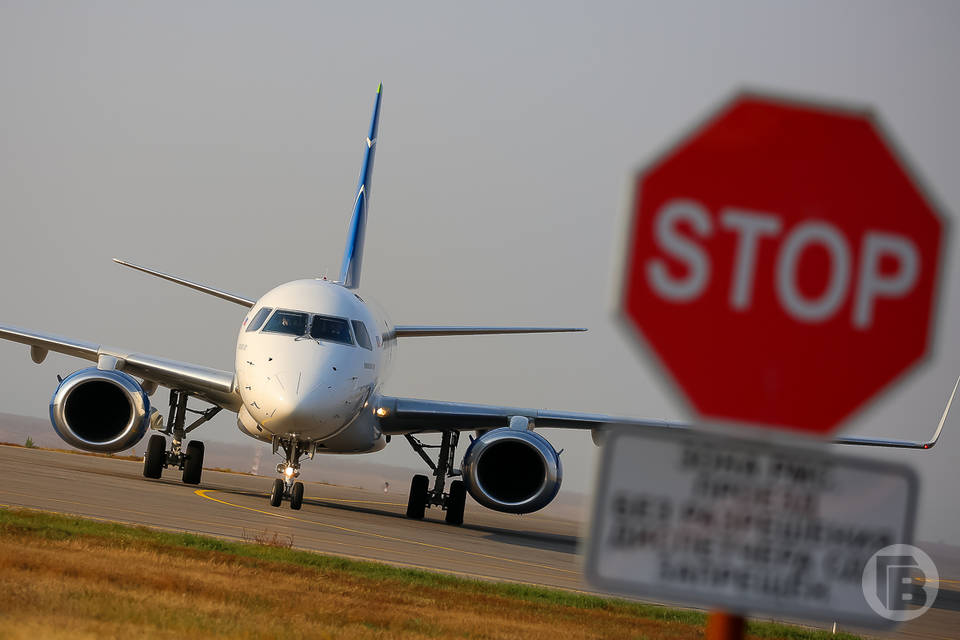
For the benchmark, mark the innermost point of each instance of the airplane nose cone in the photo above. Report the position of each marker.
(315, 412)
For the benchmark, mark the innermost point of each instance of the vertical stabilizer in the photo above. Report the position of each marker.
(353, 253)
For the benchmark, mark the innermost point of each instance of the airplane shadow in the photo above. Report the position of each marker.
(525, 538)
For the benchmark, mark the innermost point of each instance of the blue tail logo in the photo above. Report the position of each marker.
(353, 253)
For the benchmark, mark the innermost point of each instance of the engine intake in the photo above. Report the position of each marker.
(100, 410)
(512, 471)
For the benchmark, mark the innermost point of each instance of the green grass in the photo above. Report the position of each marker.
(55, 527)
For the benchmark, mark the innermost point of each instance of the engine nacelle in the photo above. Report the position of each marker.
(512, 471)
(100, 410)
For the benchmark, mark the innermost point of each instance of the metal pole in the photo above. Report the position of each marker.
(725, 626)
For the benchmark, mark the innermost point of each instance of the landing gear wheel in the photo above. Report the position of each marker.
(456, 502)
(193, 464)
(276, 496)
(296, 496)
(153, 458)
(417, 502)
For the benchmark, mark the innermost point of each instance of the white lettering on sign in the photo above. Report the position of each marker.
(695, 259)
(750, 226)
(872, 282)
(754, 227)
(801, 237)
(746, 526)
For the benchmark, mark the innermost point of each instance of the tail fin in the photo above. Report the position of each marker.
(353, 253)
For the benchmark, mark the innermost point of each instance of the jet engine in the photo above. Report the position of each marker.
(101, 410)
(512, 471)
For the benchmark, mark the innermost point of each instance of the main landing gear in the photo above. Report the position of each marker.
(422, 496)
(286, 487)
(158, 458)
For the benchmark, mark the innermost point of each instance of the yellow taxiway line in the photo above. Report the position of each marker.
(203, 494)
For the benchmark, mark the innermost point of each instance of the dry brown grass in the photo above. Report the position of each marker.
(65, 577)
(83, 588)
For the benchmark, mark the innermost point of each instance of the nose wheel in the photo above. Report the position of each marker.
(422, 497)
(286, 486)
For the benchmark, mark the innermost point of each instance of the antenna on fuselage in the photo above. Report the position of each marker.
(353, 253)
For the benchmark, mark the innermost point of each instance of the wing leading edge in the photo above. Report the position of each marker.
(399, 416)
(212, 385)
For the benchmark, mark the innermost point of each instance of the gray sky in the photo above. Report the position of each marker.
(221, 141)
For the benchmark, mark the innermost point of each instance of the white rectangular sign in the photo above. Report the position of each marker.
(745, 526)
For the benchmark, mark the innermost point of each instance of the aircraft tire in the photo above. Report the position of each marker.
(276, 495)
(153, 458)
(296, 496)
(456, 502)
(417, 501)
(193, 465)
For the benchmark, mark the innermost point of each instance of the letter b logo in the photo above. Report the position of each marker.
(900, 582)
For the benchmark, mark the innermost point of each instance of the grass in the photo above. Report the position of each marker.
(62, 576)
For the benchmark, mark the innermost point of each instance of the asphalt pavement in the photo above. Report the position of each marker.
(345, 521)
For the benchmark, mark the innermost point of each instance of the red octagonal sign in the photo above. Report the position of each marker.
(782, 264)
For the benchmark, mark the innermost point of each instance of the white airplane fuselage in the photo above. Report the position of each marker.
(314, 389)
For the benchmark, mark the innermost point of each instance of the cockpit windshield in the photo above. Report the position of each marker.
(258, 319)
(332, 329)
(288, 322)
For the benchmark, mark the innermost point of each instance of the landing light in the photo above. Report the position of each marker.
(381, 412)
(288, 471)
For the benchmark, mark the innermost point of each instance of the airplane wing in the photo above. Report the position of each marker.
(213, 385)
(398, 416)
(411, 415)
(420, 331)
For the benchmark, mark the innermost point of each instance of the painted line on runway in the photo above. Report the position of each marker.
(120, 509)
(203, 494)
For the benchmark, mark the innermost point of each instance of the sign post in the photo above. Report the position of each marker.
(781, 269)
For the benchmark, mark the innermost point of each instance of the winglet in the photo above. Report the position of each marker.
(904, 444)
(353, 253)
(943, 417)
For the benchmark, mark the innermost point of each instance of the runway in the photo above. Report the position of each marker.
(337, 520)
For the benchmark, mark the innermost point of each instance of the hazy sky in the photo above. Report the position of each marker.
(221, 141)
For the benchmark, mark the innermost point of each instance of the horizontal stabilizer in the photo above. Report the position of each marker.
(411, 331)
(223, 295)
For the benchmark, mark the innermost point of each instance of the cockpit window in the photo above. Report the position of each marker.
(289, 322)
(332, 329)
(363, 338)
(258, 319)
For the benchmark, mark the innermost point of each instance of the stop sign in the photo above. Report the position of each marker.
(781, 264)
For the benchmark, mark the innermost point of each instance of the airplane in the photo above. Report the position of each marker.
(311, 359)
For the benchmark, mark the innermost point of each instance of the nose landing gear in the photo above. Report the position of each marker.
(190, 462)
(422, 496)
(287, 487)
